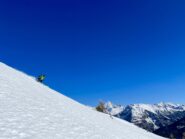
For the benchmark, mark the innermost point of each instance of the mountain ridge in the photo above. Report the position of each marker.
(149, 116)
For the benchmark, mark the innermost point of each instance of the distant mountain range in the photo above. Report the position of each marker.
(148, 116)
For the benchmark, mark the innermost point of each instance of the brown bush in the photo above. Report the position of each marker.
(101, 107)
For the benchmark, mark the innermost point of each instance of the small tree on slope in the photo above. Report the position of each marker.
(101, 107)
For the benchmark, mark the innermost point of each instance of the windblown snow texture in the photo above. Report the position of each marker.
(30, 110)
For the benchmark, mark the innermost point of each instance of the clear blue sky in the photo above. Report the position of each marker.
(126, 51)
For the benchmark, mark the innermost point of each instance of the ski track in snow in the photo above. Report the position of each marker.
(31, 110)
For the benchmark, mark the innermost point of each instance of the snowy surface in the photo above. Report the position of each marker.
(30, 110)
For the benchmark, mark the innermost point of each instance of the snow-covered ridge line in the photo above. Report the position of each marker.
(162, 106)
(31, 110)
(148, 116)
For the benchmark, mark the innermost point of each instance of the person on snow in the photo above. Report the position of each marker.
(41, 78)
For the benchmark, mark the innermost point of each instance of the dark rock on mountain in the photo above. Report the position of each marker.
(175, 130)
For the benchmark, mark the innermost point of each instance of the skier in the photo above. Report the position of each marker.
(41, 78)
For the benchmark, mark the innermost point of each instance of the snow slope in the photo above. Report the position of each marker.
(30, 110)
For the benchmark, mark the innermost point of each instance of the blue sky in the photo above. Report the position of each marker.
(126, 51)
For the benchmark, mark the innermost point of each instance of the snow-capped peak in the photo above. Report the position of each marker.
(112, 108)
